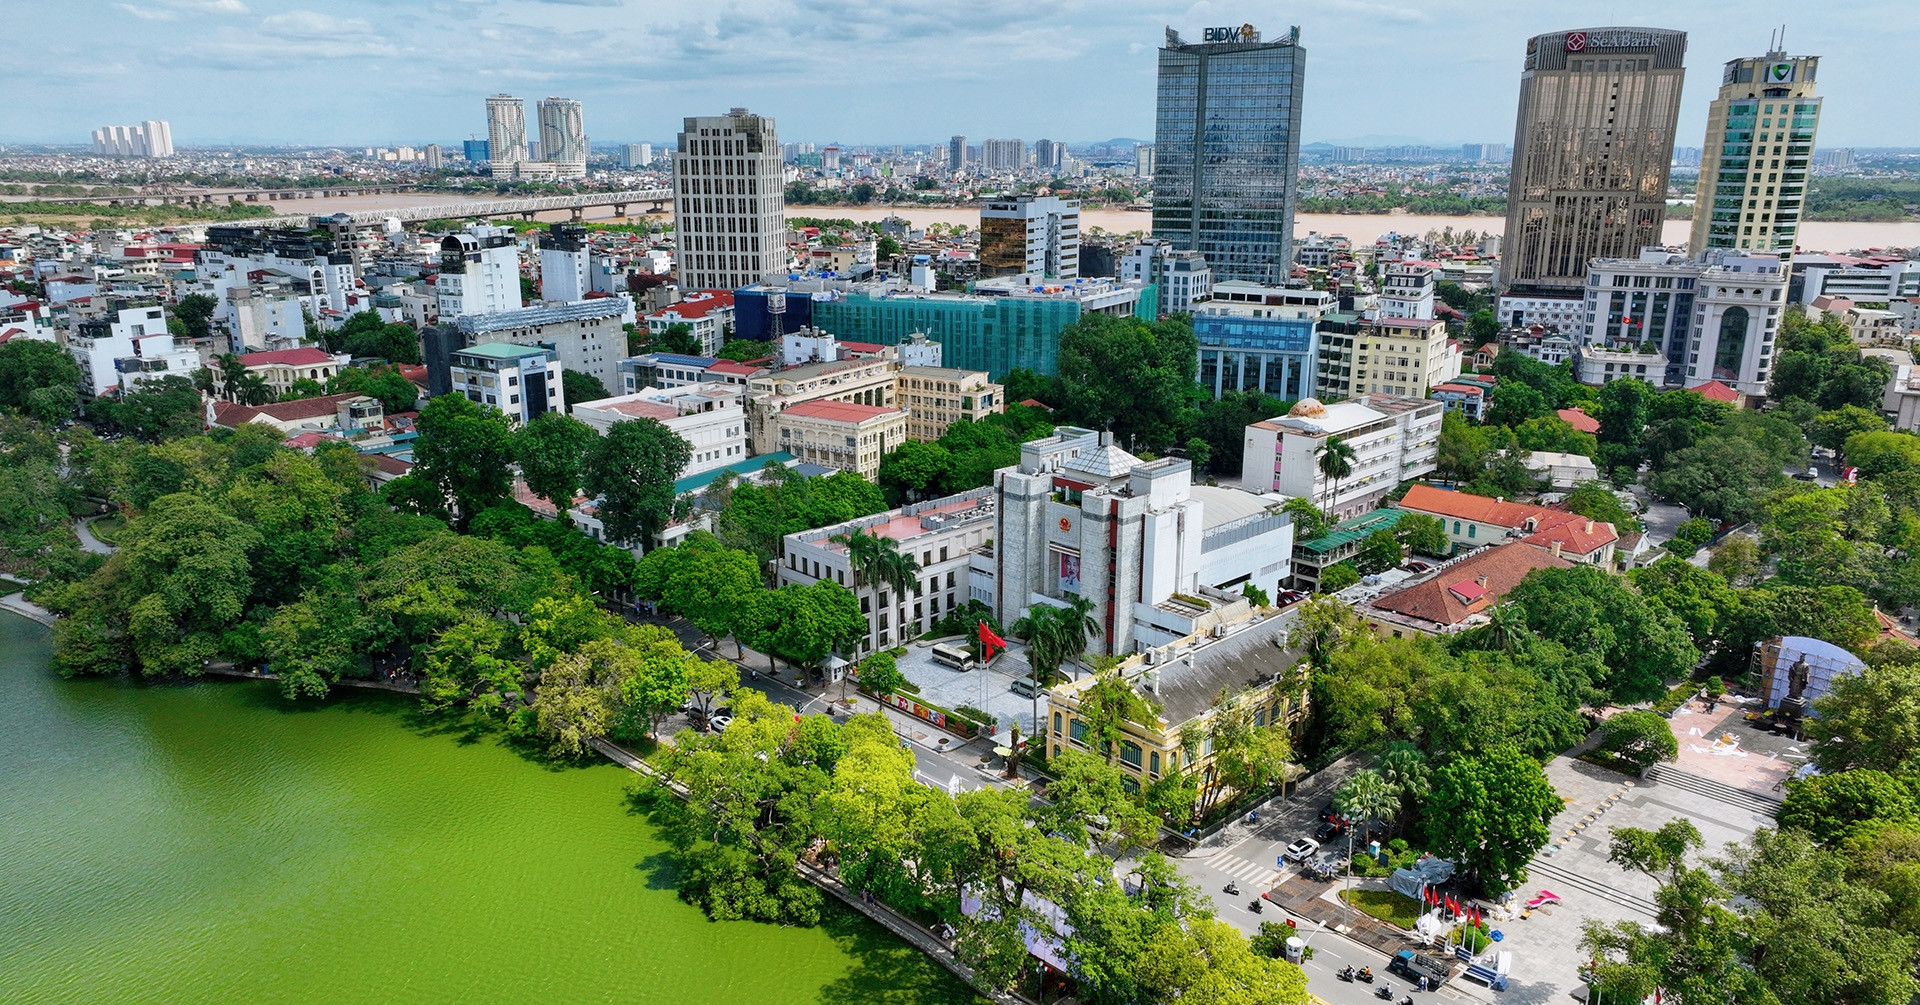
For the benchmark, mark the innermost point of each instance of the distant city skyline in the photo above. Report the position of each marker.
(271, 72)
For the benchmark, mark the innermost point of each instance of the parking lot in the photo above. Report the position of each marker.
(987, 689)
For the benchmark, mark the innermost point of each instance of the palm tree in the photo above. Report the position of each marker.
(1366, 797)
(1336, 462)
(1045, 630)
(893, 567)
(1078, 627)
(861, 552)
(1506, 627)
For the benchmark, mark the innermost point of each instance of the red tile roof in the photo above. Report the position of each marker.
(1713, 390)
(1456, 592)
(862, 346)
(734, 367)
(230, 414)
(838, 411)
(697, 306)
(1543, 527)
(289, 357)
(1579, 420)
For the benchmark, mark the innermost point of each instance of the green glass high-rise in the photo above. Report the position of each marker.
(1227, 150)
(1758, 154)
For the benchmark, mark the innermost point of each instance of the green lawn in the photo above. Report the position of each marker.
(1388, 906)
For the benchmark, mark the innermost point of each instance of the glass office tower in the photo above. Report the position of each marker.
(1592, 145)
(1227, 147)
(1750, 194)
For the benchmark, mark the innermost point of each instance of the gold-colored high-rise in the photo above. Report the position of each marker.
(1757, 155)
(1591, 150)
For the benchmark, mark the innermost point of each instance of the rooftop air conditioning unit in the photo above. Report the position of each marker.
(1219, 631)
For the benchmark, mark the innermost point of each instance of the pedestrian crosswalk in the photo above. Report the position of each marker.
(1258, 874)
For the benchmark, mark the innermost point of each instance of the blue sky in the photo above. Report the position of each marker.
(860, 71)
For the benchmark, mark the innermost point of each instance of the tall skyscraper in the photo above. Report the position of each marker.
(957, 154)
(1591, 149)
(1227, 149)
(1758, 153)
(636, 155)
(563, 136)
(506, 129)
(433, 156)
(729, 204)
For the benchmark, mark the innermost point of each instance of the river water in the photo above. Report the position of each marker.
(1814, 235)
(213, 844)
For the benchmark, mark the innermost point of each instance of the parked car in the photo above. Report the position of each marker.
(1418, 566)
(719, 723)
(1326, 811)
(1301, 850)
(1330, 829)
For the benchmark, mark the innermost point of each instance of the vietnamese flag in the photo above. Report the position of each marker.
(989, 642)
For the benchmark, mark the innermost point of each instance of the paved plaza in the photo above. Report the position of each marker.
(1546, 942)
(987, 689)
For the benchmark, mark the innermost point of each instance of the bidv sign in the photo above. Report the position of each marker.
(1244, 33)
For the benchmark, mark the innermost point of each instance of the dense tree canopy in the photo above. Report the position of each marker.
(1129, 376)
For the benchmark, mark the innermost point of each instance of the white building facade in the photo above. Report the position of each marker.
(1030, 235)
(479, 272)
(711, 417)
(586, 335)
(563, 264)
(729, 201)
(1158, 556)
(1393, 440)
(130, 345)
(1736, 319)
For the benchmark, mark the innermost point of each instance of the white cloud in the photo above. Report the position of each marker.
(147, 13)
(213, 6)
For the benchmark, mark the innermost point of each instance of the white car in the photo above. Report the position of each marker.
(1301, 850)
(719, 723)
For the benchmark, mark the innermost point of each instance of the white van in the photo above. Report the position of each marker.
(1024, 687)
(953, 656)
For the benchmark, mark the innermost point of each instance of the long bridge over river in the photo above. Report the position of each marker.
(655, 199)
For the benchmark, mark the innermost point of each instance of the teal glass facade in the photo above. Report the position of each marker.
(995, 334)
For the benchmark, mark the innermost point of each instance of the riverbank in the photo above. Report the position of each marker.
(1820, 235)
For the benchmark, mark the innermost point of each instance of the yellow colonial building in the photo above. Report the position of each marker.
(1243, 664)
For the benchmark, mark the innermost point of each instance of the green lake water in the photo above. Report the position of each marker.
(212, 843)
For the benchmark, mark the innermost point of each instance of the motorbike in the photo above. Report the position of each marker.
(1366, 974)
(1233, 890)
(1406, 1000)
(1254, 905)
(1347, 975)
(1384, 992)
